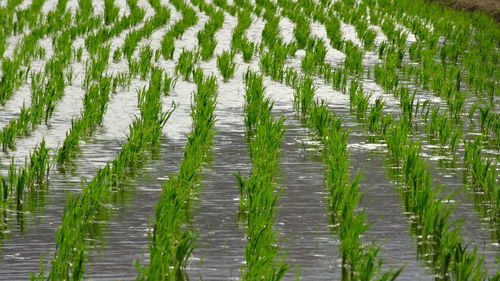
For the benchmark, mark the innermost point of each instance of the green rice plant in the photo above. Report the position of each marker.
(117, 55)
(226, 64)
(270, 33)
(376, 116)
(239, 40)
(406, 102)
(303, 98)
(334, 33)
(313, 62)
(160, 18)
(168, 84)
(168, 47)
(256, 105)
(27, 184)
(145, 57)
(358, 100)
(368, 39)
(110, 12)
(186, 63)
(357, 259)
(301, 31)
(247, 50)
(354, 58)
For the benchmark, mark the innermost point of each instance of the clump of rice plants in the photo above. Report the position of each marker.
(25, 186)
(226, 64)
(304, 96)
(186, 63)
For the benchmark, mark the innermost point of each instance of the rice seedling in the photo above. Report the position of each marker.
(376, 117)
(358, 100)
(168, 84)
(354, 58)
(226, 64)
(303, 98)
(186, 63)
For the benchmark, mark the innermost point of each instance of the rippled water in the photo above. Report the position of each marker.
(302, 220)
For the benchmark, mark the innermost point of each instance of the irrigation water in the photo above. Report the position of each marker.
(374, 65)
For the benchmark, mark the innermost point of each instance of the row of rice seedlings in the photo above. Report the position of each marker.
(358, 260)
(473, 261)
(206, 36)
(26, 185)
(9, 13)
(28, 49)
(431, 72)
(440, 242)
(239, 41)
(171, 239)
(481, 175)
(394, 135)
(258, 196)
(388, 78)
(189, 18)
(86, 214)
(387, 120)
(353, 62)
(97, 39)
(161, 17)
(94, 107)
(16, 20)
(469, 42)
(46, 91)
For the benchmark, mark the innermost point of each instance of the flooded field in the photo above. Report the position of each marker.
(248, 140)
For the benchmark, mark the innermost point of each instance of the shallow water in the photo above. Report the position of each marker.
(302, 220)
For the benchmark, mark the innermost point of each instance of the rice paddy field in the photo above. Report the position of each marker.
(248, 140)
